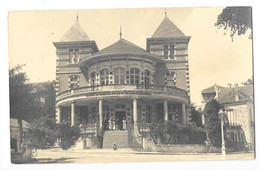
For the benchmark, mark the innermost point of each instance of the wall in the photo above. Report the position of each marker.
(149, 146)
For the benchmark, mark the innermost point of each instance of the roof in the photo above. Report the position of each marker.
(123, 47)
(75, 33)
(247, 90)
(14, 123)
(167, 29)
(211, 89)
(229, 95)
(234, 96)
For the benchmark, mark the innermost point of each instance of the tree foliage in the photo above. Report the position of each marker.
(174, 133)
(196, 116)
(42, 133)
(213, 123)
(23, 102)
(68, 135)
(235, 20)
(250, 81)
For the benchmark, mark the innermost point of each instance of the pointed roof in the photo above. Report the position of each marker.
(123, 47)
(75, 33)
(167, 29)
(212, 89)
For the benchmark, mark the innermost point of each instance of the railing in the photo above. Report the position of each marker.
(143, 127)
(88, 128)
(128, 88)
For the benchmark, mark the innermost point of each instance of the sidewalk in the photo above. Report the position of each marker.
(127, 155)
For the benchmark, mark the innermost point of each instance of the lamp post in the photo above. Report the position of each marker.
(223, 149)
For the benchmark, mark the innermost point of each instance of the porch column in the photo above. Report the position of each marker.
(100, 111)
(58, 115)
(135, 110)
(165, 109)
(72, 116)
(184, 113)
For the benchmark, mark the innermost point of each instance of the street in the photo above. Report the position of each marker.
(126, 155)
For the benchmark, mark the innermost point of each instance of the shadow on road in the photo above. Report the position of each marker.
(49, 160)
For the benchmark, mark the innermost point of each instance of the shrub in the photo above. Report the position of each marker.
(68, 135)
(175, 133)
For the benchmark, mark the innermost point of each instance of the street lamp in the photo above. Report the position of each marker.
(223, 149)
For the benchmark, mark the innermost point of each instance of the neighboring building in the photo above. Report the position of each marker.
(15, 133)
(238, 103)
(122, 86)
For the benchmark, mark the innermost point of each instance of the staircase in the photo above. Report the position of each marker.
(120, 138)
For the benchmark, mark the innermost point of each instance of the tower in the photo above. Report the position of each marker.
(170, 43)
(74, 46)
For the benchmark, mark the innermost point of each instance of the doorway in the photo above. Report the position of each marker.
(120, 116)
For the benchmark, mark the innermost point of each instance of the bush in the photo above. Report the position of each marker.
(175, 133)
(68, 135)
(41, 133)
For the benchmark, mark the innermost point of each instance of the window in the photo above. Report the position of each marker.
(134, 76)
(171, 51)
(119, 75)
(165, 51)
(147, 77)
(76, 58)
(73, 82)
(73, 56)
(104, 77)
(93, 78)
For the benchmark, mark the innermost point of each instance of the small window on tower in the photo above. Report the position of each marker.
(172, 52)
(73, 82)
(165, 51)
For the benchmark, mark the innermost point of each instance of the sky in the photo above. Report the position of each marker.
(213, 57)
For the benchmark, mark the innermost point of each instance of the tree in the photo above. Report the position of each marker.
(196, 116)
(250, 81)
(23, 103)
(236, 20)
(213, 121)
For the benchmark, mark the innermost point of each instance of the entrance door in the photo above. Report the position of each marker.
(119, 119)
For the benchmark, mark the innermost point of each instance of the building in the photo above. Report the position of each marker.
(238, 104)
(122, 86)
(15, 133)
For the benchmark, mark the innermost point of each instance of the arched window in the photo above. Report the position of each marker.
(104, 77)
(73, 82)
(93, 78)
(134, 76)
(147, 77)
(119, 75)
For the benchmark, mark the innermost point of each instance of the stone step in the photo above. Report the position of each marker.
(120, 138)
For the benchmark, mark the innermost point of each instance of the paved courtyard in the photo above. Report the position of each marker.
(60, 156)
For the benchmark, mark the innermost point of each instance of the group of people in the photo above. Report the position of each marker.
(116, 124)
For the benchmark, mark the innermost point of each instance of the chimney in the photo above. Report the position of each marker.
(236, 87)
(236, 90)
(229, 85)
